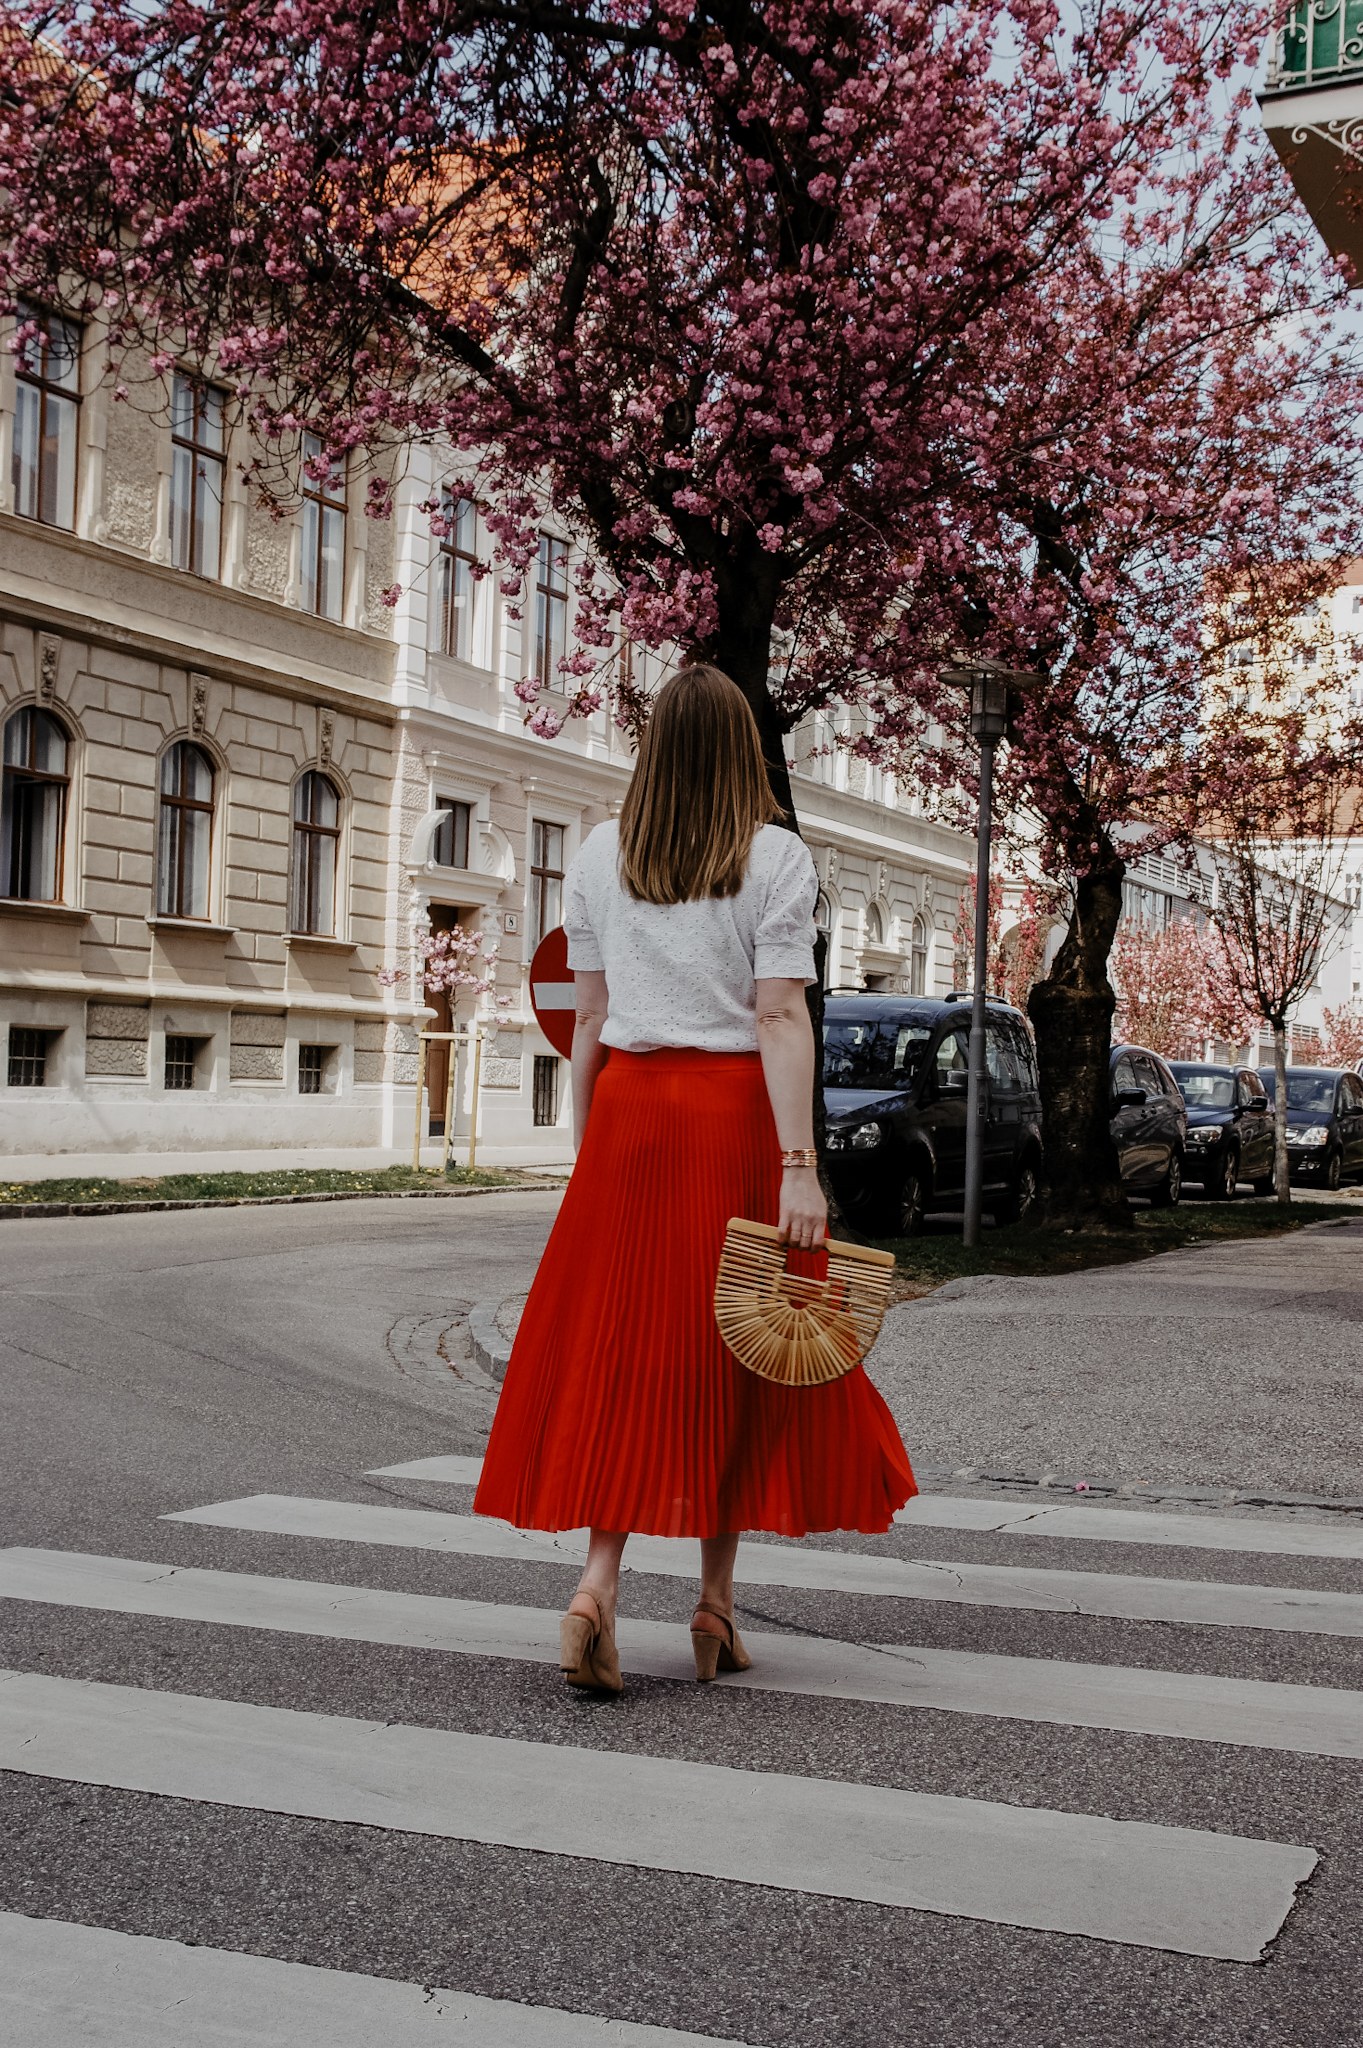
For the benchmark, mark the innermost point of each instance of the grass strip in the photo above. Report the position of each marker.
(229, 1187)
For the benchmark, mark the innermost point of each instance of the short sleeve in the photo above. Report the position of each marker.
(584, 947)
(785, 924)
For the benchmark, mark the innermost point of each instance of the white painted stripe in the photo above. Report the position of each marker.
(65, 1986)
(1168, 1888)
(1033, 1518)
(555, 995)
(451, 1472)
(1312, 1720)
(1296, 1609)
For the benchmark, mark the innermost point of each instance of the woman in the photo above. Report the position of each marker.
(690, 934)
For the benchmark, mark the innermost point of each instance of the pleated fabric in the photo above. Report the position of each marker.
(622, 1406)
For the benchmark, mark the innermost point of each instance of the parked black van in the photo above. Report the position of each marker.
(895, 1072)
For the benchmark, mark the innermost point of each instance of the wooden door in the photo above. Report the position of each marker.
(444, 918)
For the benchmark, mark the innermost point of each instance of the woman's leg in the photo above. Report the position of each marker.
(601, 1574)
(717, 1554)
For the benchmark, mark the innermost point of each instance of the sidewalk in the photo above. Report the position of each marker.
(31, 1166)
(1238, 1364)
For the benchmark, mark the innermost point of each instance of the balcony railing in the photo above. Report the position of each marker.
(1321, 42)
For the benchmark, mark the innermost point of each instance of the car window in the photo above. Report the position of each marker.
(1147, 1075)
(1001, 1058)
(952, 1056)
(1244, 1094)
(1352, 1094)
(1306, 1090)
(1123, 1076)
(1024, 1052)
(1206, 1091)
(1257, 1090)
(872, 1052)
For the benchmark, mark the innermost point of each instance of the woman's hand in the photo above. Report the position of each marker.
(804, 1212)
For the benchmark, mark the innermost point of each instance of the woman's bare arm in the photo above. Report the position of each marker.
(786, 1043)
(589, 1055)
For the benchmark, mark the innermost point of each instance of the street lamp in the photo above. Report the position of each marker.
(989, 684)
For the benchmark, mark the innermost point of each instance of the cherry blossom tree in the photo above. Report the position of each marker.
(892, 329)
(453, 960)
(1341, 1043)
(1175, 989)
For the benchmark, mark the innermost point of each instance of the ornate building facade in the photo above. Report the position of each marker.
(241, 784)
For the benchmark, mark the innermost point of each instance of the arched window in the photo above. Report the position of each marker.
(33, 818)
(875, 925)
(918, 958)
(316, 838)
(184, 832)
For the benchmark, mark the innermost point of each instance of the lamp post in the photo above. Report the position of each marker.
(989, 684)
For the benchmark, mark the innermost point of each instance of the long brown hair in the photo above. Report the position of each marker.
(698, 794)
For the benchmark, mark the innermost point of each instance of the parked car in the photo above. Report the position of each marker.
(1149, 1124)
(895, 1072)
(1230, 1127)
(1324, 1122)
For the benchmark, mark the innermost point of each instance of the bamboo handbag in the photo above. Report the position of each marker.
(796, 1331)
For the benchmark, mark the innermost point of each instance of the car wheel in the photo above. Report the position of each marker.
(1170, 1190)
(1225, 1180)
(911, 1205)
(1020, 1203)
(1333, 1171)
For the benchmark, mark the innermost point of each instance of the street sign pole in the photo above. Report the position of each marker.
(977, 1097)
(989, 685)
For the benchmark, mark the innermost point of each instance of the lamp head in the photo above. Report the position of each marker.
(989, 684)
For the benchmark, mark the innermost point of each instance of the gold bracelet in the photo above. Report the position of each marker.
(800, 1156)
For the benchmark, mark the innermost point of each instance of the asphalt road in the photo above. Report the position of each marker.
(150, 1365)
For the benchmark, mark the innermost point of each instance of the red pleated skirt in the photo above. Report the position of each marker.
(622, 1407)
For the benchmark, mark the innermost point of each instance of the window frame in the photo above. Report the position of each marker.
(455, 558)
(918, 956)
(48, 388)
(41, 777)
(544, 1083)
(320, 496)
(182, 803)
(452, 806)
(306, 833)
(198, 388)
(541, 872)
(547, 595)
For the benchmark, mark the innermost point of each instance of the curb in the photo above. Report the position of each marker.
(1108, 1487)
(490, 1348)
(16, 1211)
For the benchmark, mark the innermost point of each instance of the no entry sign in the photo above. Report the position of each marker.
(553, 992)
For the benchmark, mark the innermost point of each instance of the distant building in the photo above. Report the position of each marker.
(1312, 110)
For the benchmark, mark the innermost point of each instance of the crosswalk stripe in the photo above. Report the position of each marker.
(1048, 1518)
(1296, 1609)
(1313, 1720)
(61, 1983)
(1179, 1889)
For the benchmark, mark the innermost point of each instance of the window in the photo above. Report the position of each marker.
(823, 924)
(551, 611)
(316, 838)
(451, 848)
(875, 925)
(1000, 1056)
(180, 1062)
(33, 807)
(323, 533)
(312, 1061)
(918, 958)
(196, 474)
(46, 402)
(184, 833)
(27, 1058)
(546, 1089)
(953, 1059)
(458, 554)
(1123, 1076)
(546, 878)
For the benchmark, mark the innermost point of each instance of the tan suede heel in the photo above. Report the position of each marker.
(712, 1652)
(587, 1656)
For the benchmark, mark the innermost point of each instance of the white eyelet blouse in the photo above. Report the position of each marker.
(686, 973)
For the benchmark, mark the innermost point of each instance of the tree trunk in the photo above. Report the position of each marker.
(1071, 1012)
(1281, 1182)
